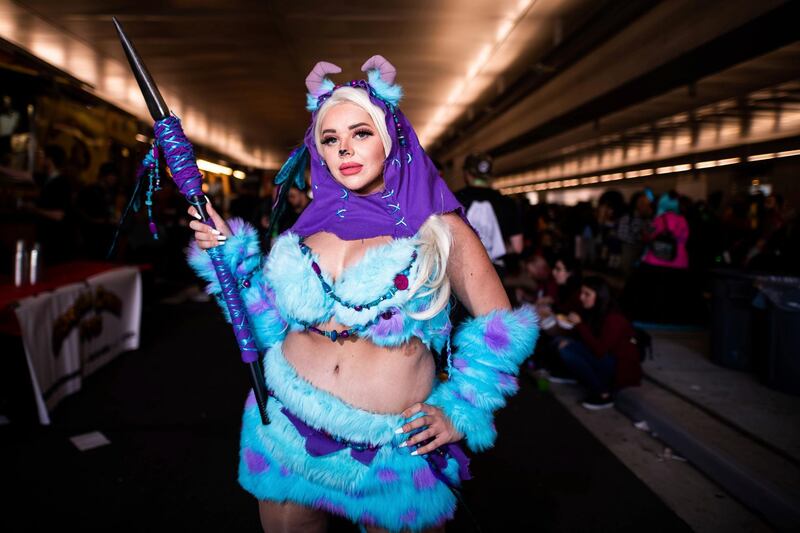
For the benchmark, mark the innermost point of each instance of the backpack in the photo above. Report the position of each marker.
(482, 217)
(643, 342)
(665, 246)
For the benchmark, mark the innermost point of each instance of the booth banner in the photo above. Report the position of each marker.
(72, 331)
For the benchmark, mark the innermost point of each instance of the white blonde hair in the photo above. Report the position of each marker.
(360, 98)
(434, 241)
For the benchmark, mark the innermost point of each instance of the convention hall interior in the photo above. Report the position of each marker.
(640, 163)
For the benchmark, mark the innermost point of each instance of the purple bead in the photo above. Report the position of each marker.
(386, 315)
(246, 284)
(316, 268)
(358, 308)
(344, 334)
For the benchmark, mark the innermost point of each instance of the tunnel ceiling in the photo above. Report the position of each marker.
(234, 70)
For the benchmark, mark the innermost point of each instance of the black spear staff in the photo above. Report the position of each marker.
(180, 159)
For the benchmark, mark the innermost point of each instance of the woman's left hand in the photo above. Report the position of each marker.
(439, 428)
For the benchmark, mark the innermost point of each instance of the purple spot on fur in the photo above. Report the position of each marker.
(409, 516)
(251, 400)
(258, 307)
(507, 381)
(468, 396)
(496, 334)
(237, 225)
(460, 363)
(387, 475)
(256, 463)
(285, 472)
(327, 505)
(367, 519)
(391, 326)
(424, 478)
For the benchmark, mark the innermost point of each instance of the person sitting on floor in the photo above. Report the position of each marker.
(603, 356)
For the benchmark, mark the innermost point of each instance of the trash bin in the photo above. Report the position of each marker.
(732, 319)
(778, 333)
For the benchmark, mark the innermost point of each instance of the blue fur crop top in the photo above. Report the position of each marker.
(289, 291)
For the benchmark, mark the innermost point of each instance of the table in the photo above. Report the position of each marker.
(78, 319)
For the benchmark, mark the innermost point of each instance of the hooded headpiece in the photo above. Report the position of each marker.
(413, 189)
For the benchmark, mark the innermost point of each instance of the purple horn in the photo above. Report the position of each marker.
(317, 75)
(387, 70)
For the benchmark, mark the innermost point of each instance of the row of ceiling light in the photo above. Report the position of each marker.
(642, 173)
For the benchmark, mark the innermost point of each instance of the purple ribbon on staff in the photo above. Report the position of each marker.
(180, 159)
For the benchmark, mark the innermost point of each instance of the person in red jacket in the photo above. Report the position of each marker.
(603, 355)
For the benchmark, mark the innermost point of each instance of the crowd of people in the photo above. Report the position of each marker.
(591, 271)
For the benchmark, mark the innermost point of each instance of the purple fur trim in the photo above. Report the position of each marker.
(259, 306)
(409, 516)
(460, 363)
(496, 334)
(393, 326)
(285, 472)
(256, 463)
(387, 475)
(367, 519)
(327, 505)
(467, 396)
(237, 225)
(424, 478)
(507, 381)
(251, 400)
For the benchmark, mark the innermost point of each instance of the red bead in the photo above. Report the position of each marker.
(401, 282)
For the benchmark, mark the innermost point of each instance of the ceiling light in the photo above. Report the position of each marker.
(761, 157)
(208, 166)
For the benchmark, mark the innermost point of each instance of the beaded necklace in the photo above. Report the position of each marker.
(400, 284)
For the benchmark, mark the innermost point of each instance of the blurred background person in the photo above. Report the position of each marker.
(54, 208)
(97, 212)
(494, 216)
(602, 356)
(631, 230)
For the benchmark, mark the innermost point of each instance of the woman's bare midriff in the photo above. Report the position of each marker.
(367, 376)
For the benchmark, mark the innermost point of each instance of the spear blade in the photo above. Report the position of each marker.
(152, 97)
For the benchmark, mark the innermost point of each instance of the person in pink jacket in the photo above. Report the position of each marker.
(666, 243)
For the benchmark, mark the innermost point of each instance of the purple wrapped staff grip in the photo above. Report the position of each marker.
(180, 158)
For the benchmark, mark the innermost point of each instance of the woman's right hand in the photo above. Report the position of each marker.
(206, 236)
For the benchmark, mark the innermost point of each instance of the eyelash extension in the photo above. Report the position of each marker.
(364, 132)
(327, 140)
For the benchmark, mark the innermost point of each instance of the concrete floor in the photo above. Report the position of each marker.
(681, 374)
(700, 502)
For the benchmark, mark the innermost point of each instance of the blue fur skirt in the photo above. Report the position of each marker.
(374, 483)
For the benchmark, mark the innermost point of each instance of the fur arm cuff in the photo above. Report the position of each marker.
(242, 254)
(489, 350)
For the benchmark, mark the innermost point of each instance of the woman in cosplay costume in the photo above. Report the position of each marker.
(349, 307)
